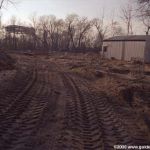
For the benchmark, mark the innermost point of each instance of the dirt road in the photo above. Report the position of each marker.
(44, 107)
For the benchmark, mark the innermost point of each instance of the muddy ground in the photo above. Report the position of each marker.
(68, 101)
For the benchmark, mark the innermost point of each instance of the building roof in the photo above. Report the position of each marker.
(19, 29)
(129, 38)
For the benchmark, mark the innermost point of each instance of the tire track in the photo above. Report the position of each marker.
(30, 120)
(52, 119)
(9, 93)
(15, 110)
(21, 120)
(114, 125)
(81, 130)
(92, 122)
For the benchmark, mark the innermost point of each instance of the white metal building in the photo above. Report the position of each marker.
(127, 47)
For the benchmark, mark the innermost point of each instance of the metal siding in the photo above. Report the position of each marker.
(134, 49)
(147, 51)
(115, 50)
(104, 53)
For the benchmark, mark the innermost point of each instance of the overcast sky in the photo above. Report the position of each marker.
(60, 8)
(90, 8)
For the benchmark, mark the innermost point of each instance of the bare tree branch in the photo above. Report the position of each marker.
(2, 3)
(143, 12)
(127, 17)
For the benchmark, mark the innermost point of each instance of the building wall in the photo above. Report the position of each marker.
(125, 50)
(114, 50)
(134, 49)
(147, 51)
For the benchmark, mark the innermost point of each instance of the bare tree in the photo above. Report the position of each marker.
(51, 30)
(83, 27)
(101, 30)
(144, 5)
(2, 2)
(34, 20)
(77, 30)
(60, 25)
(127, 17)
(144, 13)
(73, 33)
(115, 29)
(71, 22)
(43, 23)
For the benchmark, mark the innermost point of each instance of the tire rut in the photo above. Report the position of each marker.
(81, 130)
(20, 121)
(92, 122)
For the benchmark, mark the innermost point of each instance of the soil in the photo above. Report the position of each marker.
(6, 62)
(60, 102)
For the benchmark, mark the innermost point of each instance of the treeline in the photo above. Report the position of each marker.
(74, 32)
(53, 34)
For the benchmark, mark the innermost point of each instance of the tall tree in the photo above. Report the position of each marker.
(144, 13)
(101, 30)
(83, 27)
(116, 29)
(71, 22)
(127, 17)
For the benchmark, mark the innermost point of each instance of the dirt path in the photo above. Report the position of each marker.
(46, 108)
(92, 122)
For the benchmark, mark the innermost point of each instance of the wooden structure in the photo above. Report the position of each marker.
(20, 29)
(20, 37)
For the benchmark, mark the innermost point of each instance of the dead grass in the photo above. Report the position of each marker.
(84, 72)
(132, 94)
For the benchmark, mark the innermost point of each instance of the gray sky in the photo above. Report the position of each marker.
(60, 8)
(90, 8)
